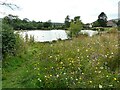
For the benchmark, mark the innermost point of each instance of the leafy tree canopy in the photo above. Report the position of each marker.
(101, 21)
(75, 26)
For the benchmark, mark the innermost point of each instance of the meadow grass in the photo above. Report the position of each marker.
(83, 62)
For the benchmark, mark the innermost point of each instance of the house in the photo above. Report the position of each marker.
(111, 23)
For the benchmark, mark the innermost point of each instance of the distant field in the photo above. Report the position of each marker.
(83, 62)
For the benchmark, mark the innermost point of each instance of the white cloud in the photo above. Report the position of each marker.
(57, 10)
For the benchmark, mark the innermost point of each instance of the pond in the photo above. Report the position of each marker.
(44, 35)
(51, 35)
(90, 33)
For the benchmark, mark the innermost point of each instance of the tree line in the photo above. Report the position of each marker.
(74, 25)
(26, 24)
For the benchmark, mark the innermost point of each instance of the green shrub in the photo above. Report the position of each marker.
(8, 39)
(95, 29)
(75, 26)
(101, 29)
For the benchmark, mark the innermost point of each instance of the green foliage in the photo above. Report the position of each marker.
(67, 22)
(75, 26)
(101, 21)
(101, 29)
(11, 43)
(79, 63)
(31, 39)
(96, 24)
(102, 16)
(20, 45)
(8, 39)
(47, 25)
(26, 24)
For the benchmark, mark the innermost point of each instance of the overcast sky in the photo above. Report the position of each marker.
(57, 10)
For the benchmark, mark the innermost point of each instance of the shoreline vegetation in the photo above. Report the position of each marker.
(79, 62)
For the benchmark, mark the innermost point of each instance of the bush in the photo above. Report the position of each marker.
(75, 27)
(8, 39)
(101, 29)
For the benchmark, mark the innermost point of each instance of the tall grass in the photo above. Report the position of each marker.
(83, 62)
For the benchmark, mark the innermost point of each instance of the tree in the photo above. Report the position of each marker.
(76, 18)
(102, 19)
(25, 20)
(96, 24)
(67, 22)
(48, 24)
(102, 16)
(39, 25)
(75, 26)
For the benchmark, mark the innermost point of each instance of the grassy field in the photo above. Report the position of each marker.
(83, 62)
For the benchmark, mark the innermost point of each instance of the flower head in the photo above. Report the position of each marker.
(100, 86)
(115, 79)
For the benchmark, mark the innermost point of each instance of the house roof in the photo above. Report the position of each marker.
(111, 23)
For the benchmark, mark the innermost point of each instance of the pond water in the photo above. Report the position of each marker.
(90, 33)
(50, 35)
(44, 35)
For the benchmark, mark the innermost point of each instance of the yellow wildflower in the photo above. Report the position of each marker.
(115, 79)
(90, 81)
